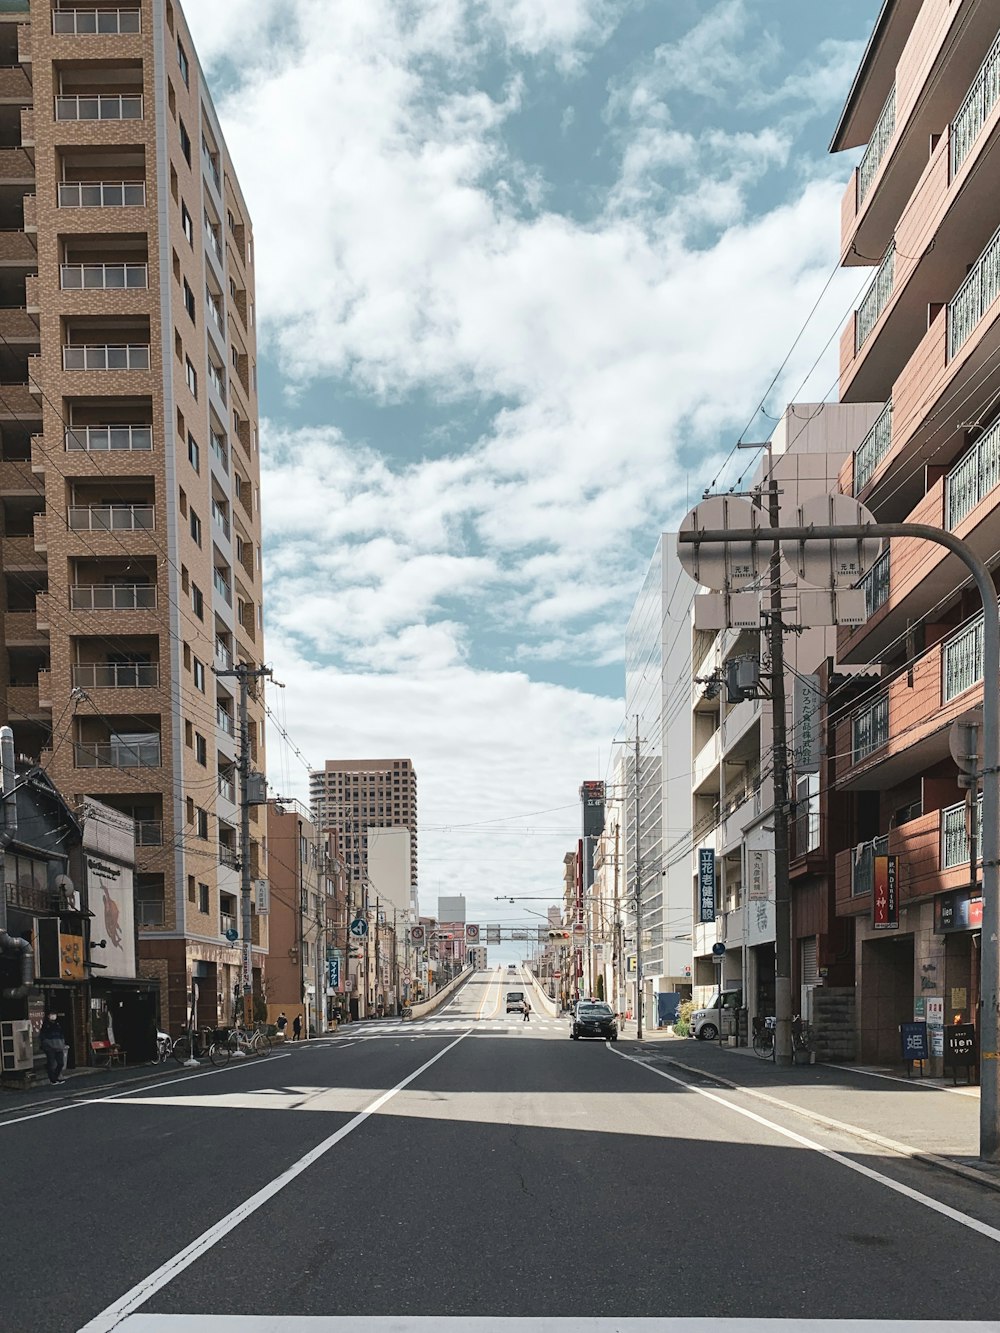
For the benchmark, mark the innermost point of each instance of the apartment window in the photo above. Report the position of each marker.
(182, 502)
(199, 675)
(201, 749)
(188, 735)
(185, 579)
(191, 375)
(194, 453)
(189, 300)
(187, 224)
(190, 888)
(236, 356)
(253, 375)
(187, 657)
(190, 809)
(185, 142)
(203, 899)
(197, 601)
(196, 527)
(182, 60)
(203, 824)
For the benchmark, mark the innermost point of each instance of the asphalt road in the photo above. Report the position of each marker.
(476, 1167)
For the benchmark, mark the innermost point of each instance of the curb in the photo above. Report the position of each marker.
(69, 1095)
(866, 1136)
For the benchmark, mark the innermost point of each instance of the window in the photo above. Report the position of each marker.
(185, 142)
(200, 749)
(187, 657)
(199, 675)
(196, 527)
(190, 809)
(235, 355)
(185, 579)
(187, 224)
(203, 900)
(182, 60)
(191, 375)
(190, 888)
(197, 601)
(194, 453)
(189, 300)
(202, 823)
(188, 735)
(182, 502)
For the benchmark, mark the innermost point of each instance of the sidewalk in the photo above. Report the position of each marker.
(85, 1081)
(924, 1118)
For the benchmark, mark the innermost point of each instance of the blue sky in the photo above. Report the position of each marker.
(525, 269)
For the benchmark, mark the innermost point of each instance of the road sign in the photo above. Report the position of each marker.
(832, 564)
(718, 949)
(557, 975)
(725, 566)
(418, 934)
(232, 934)
(492, 934)
(359, 927)
(965, 740)
(579, 928)
(472, 934)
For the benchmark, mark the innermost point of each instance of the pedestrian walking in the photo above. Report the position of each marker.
(53, 1042)
(281, 1024)
(526, 1016)
(297, 1028)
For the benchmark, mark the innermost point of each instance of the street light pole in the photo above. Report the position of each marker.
(989, 1106)
(638, 896)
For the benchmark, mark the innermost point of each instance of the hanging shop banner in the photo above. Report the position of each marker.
(757, 875)
(806, 701)
(957, 911)
(885, 899)
(706, 884)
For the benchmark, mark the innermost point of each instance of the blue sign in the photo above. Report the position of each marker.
(359, 927)
(333, 973)
(232, 934)
(913, 1040)
(718, 949)
(706, 884)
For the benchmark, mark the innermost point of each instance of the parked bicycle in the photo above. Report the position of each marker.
(764, 1033)
(239, 1042)
(164, 1046)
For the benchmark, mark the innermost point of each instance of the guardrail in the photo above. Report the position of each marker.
(424, 1007)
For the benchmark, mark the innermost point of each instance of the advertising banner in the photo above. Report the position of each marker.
(885, 899)
(757, 878)
(706, 884)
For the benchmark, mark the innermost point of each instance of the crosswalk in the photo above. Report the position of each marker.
(442, 1027)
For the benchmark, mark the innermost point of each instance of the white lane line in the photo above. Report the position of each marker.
(113, 1315)
(180, 1323)
(963, 1219)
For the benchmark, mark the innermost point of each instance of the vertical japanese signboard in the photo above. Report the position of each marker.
(757, 875)
(885, 899)
(706, 884)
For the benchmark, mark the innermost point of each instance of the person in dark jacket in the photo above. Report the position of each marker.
(297, 1028)
(53, 1043)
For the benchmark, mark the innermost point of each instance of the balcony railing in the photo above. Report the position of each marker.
(133, 356)
(973, 477)
(149, 911)
(863, 867)
(111, 518)
(119, 754)
(962, 661)
(214, 243)
(212, 162)
(113, 597)
(102, 194)
(103, 277)
(223, 657)
(975, 296)
(876, 584)
(149, 832)
(217, 378)
(219, 515)
(955, 848)
(222, 587)
(218, 446)
(113, 439)
(228, 856)
(980, 100)
(227, 789)
(214, 313)
(80, 22)
(117, 675)
(875, 299)
(872, 449)
(877, 145)
(870, 728)
(102, 106)
(226, 922)
(225, 721)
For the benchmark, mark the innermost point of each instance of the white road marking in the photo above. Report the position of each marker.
(111, 1317)
(963, 1219)
(166, 1323)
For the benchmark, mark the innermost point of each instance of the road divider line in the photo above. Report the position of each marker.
(112, 1316)
(963, 1219)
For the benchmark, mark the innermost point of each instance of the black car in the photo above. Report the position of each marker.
(593, 1019)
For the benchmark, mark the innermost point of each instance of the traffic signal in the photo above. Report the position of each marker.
(558, 934)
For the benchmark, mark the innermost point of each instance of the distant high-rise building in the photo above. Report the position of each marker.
(355, 795)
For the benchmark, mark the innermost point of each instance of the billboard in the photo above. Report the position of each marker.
(706, 884)
(389, 866)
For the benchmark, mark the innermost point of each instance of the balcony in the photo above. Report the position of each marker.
(878, 144)
(149, 912)
(102, 106)
(214, 244)
(116, 675)
(872, 449)
(102, 194)
(111, 518)
(99, 356)
(227, 923)
(227, 789)
(228, 856)
(955, 844)
(218, 447)
(217, 379)
(982, 97)
(121, 753)
(876, 583)
(103, 277)
(223, 657)
(869, 728)
(110, 439)
(975, 296)
(222, 587)
(113, 597)
(875, 299)
(962, 660)
(101, 22)
(863, 866)
(224, 720)
(149, 832)
(219, 517)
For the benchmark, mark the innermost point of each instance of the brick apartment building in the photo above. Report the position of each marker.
(129, 472)
(354, 795)
(924, 206)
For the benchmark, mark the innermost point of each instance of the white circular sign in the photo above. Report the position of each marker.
(831, 564)
(725, 565)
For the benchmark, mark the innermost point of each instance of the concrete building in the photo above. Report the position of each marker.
(129, 469)
(355, 795)
(924, 205)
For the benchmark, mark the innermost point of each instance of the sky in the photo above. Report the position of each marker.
(525, 271)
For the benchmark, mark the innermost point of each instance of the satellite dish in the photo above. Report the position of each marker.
(725, 565)
(832, 564)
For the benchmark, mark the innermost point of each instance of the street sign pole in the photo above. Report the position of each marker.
(989, 1107)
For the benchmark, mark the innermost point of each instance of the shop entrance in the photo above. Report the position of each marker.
(886, 997)
(961, 958)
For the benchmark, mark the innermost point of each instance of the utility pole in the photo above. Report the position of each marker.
(782, 884)
(616, 960)
(638, 896)
(243, 674)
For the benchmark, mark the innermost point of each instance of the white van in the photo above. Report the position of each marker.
(706, 1024)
